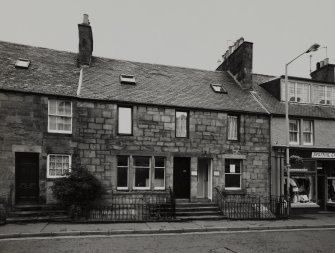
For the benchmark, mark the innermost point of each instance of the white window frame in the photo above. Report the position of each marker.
(117, 168)
(241, 167)
(56, 115)
(48, 164)
(311, 132)
(298, 132)
(134, 173)
(164, 168)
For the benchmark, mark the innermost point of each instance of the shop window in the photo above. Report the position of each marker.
(233, 175)
(142, 172)
(122, 172)
(58, 165)
(294, 131)
(331, 189)
(233, 126)
(59, 116)
(181, 124)
(302, 189)
(307, 132)
(125, 121)
(159, 178)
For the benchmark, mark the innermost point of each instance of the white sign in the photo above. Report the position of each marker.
(232, 168)
(323, 155)
(194, 173)
(216, 173)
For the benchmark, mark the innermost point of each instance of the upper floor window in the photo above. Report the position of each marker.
(58, 165)
(294, 131)
(181, 124)
(59, 116)
(307, 132)
(233, 125)
(299, 92)
(125, 121)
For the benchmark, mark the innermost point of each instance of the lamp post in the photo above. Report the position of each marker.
(313, 48)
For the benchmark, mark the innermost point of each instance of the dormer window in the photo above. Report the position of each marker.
(218, 88)
(127, 79)
(22, 63)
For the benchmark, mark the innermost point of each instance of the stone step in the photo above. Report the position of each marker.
(36, 219)
(202, 217)
(26, 207)
(198, 213)
(36, 213)
(195, 208)
(195, 204)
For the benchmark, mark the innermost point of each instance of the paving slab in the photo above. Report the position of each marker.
(22, 228)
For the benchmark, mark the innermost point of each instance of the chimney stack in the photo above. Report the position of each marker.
(324, 72)
(85, 42)
(238, 60)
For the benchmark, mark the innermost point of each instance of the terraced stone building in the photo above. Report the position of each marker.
(140, 128)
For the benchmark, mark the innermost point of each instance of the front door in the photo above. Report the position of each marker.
(202, 186)
(26, 177)
(181, 177)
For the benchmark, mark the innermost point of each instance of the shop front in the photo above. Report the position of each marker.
(312, 179)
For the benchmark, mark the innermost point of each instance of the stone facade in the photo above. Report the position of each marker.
(94, 141)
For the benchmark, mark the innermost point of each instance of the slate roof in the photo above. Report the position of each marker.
(55, 72)
(274, 106)
(50, 72)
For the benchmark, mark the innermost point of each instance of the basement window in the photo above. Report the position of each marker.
(22, 63)
(127, 79)
(218, 88)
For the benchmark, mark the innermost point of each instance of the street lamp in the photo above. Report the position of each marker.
(313, 48)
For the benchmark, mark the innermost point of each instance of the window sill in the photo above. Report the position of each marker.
(228, 191)
(122, 189)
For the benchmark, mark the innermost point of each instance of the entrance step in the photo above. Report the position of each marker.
(37, 213)
(198, 211)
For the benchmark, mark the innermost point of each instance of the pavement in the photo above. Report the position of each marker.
(304, 221)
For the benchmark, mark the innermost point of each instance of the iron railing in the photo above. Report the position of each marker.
(130, 208)
(236, 206)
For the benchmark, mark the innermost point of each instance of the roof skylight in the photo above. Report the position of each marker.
(218, 88)
(127, 79)
(22, 63)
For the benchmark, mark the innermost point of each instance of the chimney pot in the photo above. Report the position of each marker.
(85, 19)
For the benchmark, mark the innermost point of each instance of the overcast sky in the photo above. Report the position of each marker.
(188, 33)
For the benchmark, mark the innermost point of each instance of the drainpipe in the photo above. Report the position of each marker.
(80, 81)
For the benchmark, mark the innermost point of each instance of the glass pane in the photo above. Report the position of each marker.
(52, 122)
(52, 107)
(302, 93)
(159, 162)
(124, 120)
(61, 108)
(181, 124)
(122, 177)
(232, 166)
(52, 158)
(159, 177)
(307, 126)
(294, 125)
(307, 138)
(67, 108)
(232, 127)
(65, 159)
(293, 137)
(318, 94)
(141, 177)
(302, 189)
(141, 161)
(328, 95)
(122, 161)
(291, 91)
(52, 172)
(331, 190)
(232, 180)
(60, 125)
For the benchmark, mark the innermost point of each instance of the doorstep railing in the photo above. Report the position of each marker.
(246, 206)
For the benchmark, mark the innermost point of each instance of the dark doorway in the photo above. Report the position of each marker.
(26, 178)
(181, 177)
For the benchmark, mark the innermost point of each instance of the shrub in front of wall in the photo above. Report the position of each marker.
(79, 188)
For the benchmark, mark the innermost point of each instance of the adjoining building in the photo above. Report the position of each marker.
(140, 128)
(311, 135)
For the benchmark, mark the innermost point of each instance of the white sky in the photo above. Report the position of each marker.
(189, 33)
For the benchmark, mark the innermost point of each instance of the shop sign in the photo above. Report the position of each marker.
(323, 155)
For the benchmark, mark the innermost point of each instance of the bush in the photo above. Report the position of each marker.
(79, 188)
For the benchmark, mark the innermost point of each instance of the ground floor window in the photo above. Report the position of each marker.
(140, 172)
(58, 165)
(331, 189)
(302, 189)
(233, 178)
